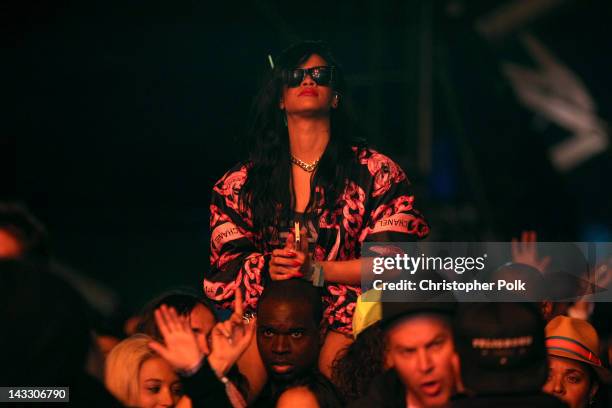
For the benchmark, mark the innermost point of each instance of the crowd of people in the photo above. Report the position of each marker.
(404, 354)
(282, 320)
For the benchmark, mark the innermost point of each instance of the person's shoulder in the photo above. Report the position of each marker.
(240, 169)
(231, 183)
(381, 169)
(367, 156)
(234, 178)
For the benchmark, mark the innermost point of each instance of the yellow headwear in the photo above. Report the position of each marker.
(367, 311)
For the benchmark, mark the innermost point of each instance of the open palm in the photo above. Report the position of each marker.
(180, 348)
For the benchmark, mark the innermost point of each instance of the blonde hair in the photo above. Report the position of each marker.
(123, 366)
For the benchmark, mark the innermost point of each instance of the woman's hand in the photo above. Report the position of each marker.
(230, 339)
(291, 262)
(181, 349)
(286, 263)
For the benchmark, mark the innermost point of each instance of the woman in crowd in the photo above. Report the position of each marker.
(313, 391)
(138, 377)
(359, 364)
(306, 166)
(575, 368)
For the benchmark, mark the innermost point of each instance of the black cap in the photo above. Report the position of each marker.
(393, 311)
(501, 347)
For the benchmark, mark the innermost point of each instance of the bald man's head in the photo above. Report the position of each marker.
(288, 334)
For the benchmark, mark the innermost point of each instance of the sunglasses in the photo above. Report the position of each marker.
(323, 76)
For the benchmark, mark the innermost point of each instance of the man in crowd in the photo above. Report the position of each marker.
(502, 354)
(288, 336)
(420, 350)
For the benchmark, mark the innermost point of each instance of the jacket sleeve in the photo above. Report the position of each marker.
(235, 260)
(390, 212)
(204, 388)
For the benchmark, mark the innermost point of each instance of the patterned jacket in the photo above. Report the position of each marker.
(376, 205)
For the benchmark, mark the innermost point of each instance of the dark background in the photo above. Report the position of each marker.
(121, 114)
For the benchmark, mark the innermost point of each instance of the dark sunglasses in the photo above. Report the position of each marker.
(323, 76)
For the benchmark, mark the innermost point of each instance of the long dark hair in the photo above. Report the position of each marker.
(322, 389)
(359, 363)
(267, 189)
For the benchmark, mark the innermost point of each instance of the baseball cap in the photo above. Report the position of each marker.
(501, 347)
(393, 311)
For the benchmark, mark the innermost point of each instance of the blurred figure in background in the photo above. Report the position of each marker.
(21, 234)
(564, 269)
(46, 335)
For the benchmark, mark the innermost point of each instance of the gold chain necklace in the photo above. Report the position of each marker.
(309, 167)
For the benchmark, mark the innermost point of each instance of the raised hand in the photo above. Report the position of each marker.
(181, 349)
(230, 338)
(525, 251)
